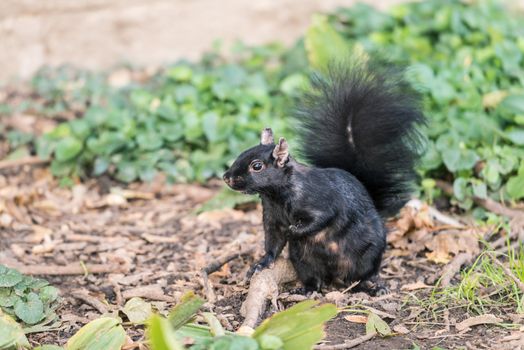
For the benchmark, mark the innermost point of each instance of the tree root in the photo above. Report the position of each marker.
(265, 285)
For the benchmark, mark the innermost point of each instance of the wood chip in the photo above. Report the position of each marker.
(400, 329)
(477, 320)
(414, 286)
(151, 292)
(356, 318)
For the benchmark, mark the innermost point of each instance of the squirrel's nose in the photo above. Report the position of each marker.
(226, 177)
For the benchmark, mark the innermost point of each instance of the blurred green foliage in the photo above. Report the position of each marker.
(31, 300)
(191, 119)
(187, 121)
(467, 60)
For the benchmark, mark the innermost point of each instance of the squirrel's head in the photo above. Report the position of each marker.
(259, 168)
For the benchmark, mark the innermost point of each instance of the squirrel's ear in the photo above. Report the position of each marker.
(266, 138)
(281, 152)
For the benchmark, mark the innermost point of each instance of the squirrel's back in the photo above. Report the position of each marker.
(364, 118)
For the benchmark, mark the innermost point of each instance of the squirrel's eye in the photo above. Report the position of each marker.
(257, 166)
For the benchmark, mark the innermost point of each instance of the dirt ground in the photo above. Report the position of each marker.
(146, 240)
(97, 34)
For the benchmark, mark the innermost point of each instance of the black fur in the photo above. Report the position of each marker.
(383, 113)
(329, 213)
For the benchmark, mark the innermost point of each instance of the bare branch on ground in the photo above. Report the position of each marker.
(263, 286)
(13, 163)
(90, 300)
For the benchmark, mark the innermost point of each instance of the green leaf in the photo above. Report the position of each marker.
(104, 333)
(8, 297)
(180, 73)
(210, 124)
(514, 103)
(270, 342)
(516, 135)
(80, 128)
(30, 310)
(214, 324)
(293, 84)
(9, 277)
(300, 326)
(149, 141)
(126, 172)
(67, 148)
(193, 331)
(100, 166)
(377, 325)
(137, 310)
(161, 334)
(185, 310)
(48, 347)
(515, 185)
(11, 333)
(480, 189)
(48, 294)
(324, 45)
(460, 186)
(456, 160)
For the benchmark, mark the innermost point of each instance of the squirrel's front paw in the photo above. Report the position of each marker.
(263, 263)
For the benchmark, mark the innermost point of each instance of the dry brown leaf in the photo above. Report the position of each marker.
(356, 318)
(401, 329)
(414, 286)
(49, 207)
(39, 234)
(130, 194)
(448, 243)
(224, 271)
(477, 320)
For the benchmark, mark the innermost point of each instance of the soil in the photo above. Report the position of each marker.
(97, 34)
(150, 236)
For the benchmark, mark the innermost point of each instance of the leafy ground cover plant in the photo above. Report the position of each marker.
(30, 300)
(466, 58)
(188, 120)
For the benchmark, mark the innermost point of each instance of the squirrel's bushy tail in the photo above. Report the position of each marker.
(364, 118)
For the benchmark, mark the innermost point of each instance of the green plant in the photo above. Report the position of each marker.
(299, 327)
(29, 299)
(467, 61)
(485, 284)
(188, 121)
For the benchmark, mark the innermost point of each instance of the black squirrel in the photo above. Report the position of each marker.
(359, 127)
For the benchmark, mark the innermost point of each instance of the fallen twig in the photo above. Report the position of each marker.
(90, 300)
(474, 321)
(71, 269)
(224, 259)
(435, 214)
(208, 288)
(160, 239)
(264, 285)
(347, 345)
(151, 292)
(487, 203)
(451, 269)
(13, 163)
